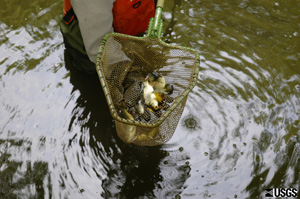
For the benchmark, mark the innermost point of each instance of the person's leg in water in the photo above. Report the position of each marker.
(75, 47)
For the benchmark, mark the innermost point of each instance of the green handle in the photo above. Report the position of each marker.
(156, 23)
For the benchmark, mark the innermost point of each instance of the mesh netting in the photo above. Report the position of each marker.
(123, 63)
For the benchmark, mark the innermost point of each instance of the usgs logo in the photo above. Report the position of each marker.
(281, 192)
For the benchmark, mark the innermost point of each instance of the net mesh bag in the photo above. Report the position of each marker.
(123, 64)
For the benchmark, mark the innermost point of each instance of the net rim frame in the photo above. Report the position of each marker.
(177, 100)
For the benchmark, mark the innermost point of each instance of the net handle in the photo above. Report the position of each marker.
(160, 3)
(156, 24)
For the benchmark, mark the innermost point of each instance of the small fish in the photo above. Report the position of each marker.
(169, 89)
(151, 77)
(124, 112)
(160, 96)
(132, 77)
(154, 104)
(133, 94)
(159, 83)
(149, 96)
(140, 108)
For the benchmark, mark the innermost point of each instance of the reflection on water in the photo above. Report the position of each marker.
(238, 135)
(21, 178)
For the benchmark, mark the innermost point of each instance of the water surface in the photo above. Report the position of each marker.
(238, 135)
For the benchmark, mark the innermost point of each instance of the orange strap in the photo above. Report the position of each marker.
(68, 12)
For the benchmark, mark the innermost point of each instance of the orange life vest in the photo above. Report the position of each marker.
(132, 16)
(129, 16)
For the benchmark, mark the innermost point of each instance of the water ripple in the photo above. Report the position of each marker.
(238, 135)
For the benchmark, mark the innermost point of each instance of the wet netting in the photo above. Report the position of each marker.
(146, 83)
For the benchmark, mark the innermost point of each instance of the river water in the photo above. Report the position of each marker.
(239, 133)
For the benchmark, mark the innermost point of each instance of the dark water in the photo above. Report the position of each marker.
(238, 135)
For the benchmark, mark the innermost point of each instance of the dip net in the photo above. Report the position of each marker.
(146, 83)
(123, 63)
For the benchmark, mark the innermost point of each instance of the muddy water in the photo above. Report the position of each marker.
(238, 135)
